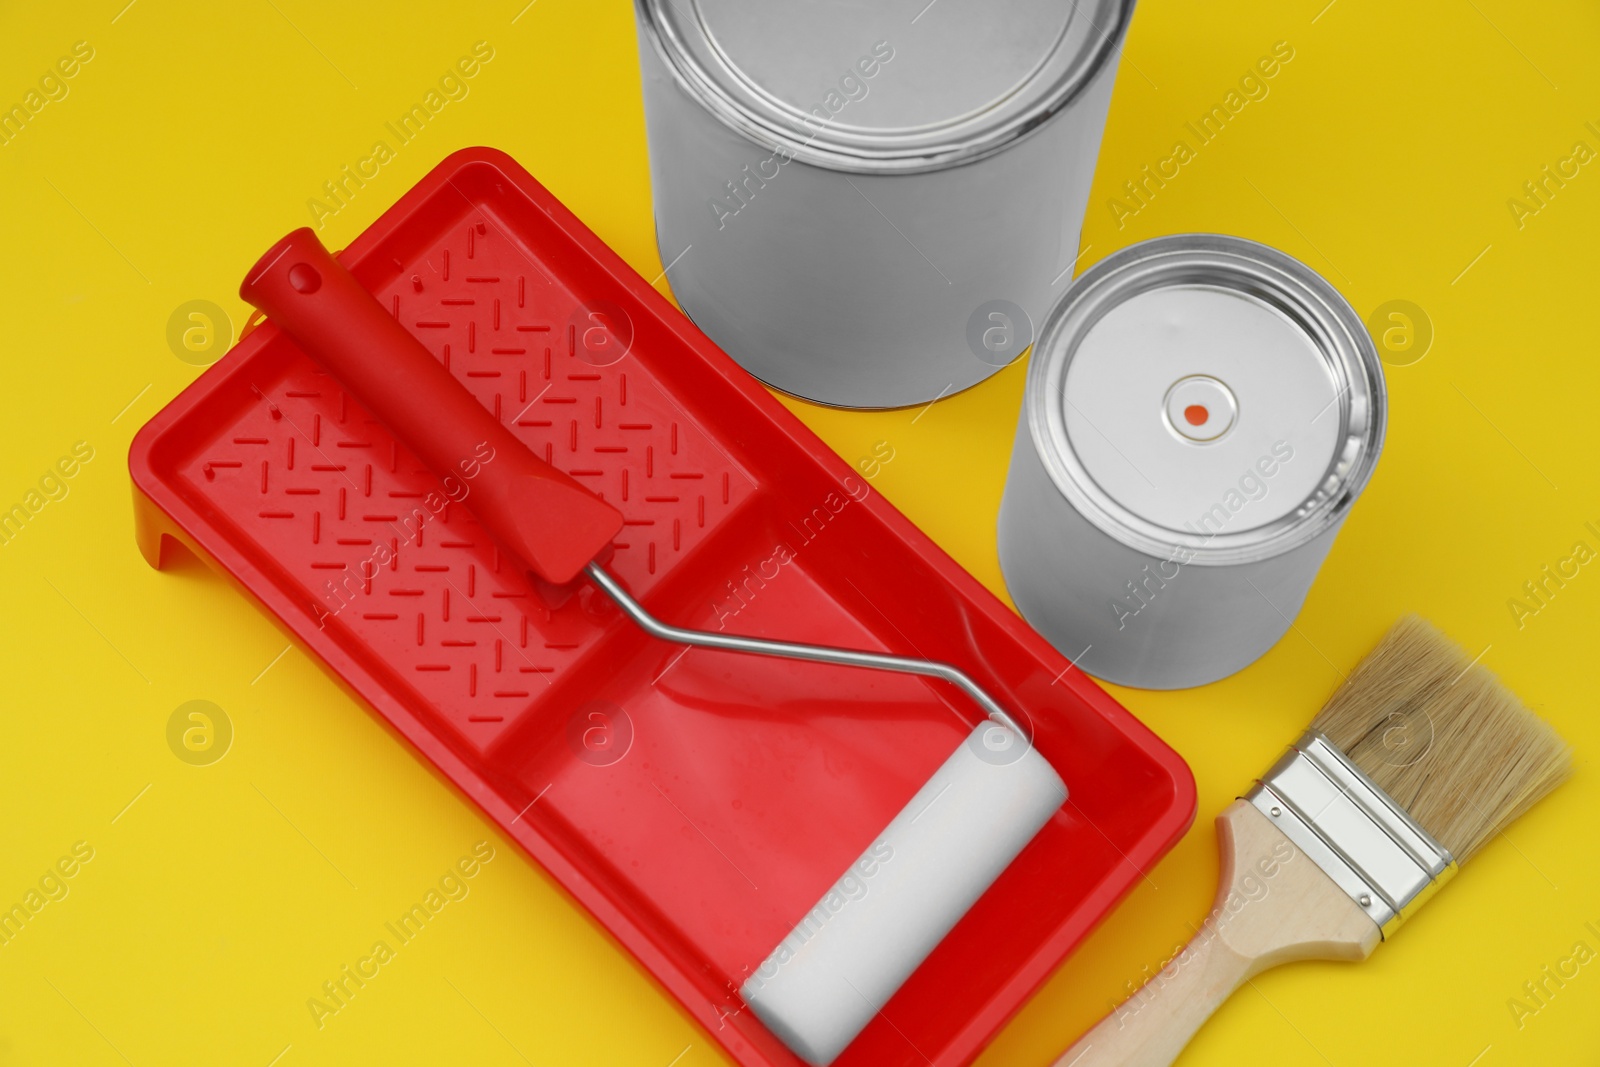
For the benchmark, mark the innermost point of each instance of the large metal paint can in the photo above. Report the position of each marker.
(866, 204)
(1201, 412)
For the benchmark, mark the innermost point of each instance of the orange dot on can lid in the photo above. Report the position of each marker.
(1196, 414)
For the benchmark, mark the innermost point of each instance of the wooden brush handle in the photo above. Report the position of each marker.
(1273, 905)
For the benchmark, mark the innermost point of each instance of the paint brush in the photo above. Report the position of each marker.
(1413, 765)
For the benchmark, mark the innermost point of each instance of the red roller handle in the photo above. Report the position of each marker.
(536, 512)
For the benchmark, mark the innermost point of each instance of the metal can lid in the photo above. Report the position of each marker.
(858, 85)
(1207, 392)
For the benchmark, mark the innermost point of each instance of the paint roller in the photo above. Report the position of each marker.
(846, 956)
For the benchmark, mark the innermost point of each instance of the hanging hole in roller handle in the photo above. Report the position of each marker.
(303, 277)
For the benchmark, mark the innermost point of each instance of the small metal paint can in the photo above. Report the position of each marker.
(865, 203)
(1201, 412)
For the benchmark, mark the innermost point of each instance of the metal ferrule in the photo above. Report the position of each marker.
(1354, 831)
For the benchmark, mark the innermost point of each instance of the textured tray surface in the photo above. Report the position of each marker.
(308, 477)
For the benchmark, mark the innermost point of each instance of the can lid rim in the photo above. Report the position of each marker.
(983, 134)
(1343, 339)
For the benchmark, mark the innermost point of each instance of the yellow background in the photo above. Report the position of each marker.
(223, 897)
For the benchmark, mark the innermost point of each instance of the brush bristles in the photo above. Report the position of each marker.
(1443, 738)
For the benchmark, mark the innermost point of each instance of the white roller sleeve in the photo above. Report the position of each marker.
(850, 953)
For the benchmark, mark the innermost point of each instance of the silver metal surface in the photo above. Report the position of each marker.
(967, 81)
(839, 234)
(792, 650)
(1352, 830)
(1201, 413)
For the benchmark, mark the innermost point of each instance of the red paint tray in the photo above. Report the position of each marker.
(696, 803)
